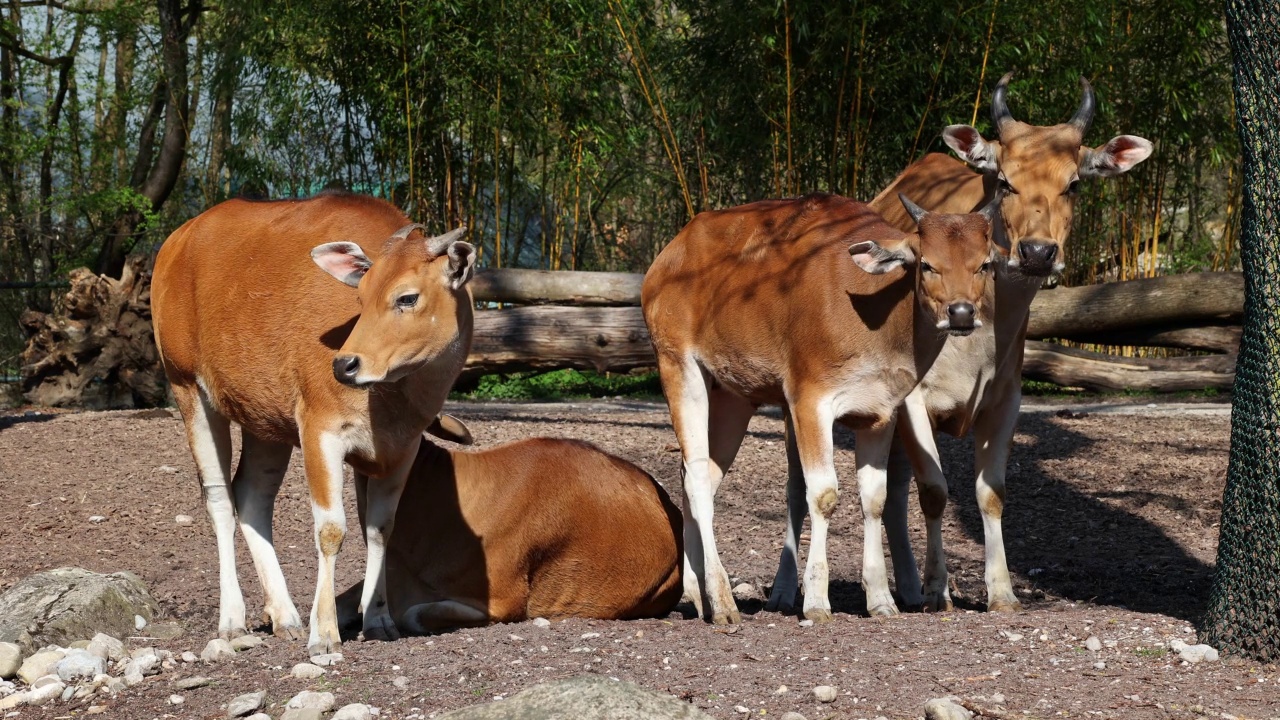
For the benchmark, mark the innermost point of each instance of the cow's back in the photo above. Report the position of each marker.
(935, 182)
(769, 288)
(240, 308)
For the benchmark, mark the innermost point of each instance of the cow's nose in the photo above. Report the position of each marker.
(961, 315)
(1037, 256)
(345, 368)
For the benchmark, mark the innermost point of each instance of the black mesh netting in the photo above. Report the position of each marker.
(1244, 607)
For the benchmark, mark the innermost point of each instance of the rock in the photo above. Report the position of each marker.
(586, 697)
(146, 663)
(806, 623)
(106, 647)
(541, 622)
(242, 705)
(307, 671)
(132, 674)
(1093, 643)
(303, 714)
(183, 520)
(13, 701)
(245, 642)
(139, 622)
(192, 683)
(326, 660)
(60, 606)
(7, 688)
(46, 693)
(79, 645)
(1197, 653)
(1100, 665)
(259, 716)
(46, 681)
(945, 709)
(115, 685)
(400, 681)
(741, 709)
(745, 591)
(189, 657)
(96, 710)
(80, 665)
(217, 650)
(354, 711)
(176, 699)
(793, 716)
(10, 660)
(782, 690)
(39, 665)
(825, 693)
(308, 699)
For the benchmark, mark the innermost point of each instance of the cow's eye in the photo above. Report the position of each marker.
(1073, 187)
(1006, 186)
(404, 302)
(986, 266)
(926, 267)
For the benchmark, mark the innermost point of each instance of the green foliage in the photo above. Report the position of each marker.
(563, 384)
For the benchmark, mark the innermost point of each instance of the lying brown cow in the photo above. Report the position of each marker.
(543, 527)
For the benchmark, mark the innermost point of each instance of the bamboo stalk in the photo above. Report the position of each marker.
(408, 116)
(786, 24)
(986, 52)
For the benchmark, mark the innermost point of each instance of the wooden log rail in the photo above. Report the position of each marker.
(604, 330)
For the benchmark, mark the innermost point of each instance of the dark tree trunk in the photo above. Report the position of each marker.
(1244, 606)
(155, 179)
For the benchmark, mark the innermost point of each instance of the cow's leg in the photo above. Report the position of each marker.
(872, 457)
(785, 583)
(442, 615)
(685, 386)
(993, 438)
(730, 414)
(209, 435)
(382, 496)
(322, 456)
(916, 433)
(255, 486)
(906, 575)
(813, 425)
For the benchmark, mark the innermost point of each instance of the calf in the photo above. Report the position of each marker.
(976, 382)
(250, 332)
(819, 305)
(536, 528)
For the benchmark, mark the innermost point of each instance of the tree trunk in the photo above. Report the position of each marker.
(156, 180)
(225, 74)
(1244, 605)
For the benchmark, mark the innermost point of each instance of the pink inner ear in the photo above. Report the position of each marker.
(963, 138)
(338, 263)
(1127, 151)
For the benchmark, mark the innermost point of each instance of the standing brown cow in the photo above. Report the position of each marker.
(251, 332)
(817, 304)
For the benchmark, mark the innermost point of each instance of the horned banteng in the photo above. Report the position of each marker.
(250, 332)
(805, 303)
(543, 527)
(976, 381)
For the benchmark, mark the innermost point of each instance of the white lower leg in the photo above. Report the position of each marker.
(210, 437)
(324, 474)
(993, 436)
(812, 423)
(382, 499)
(258, 478)
(715, 581)
(872, 452)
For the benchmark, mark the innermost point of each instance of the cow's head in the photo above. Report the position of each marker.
(1040, 170)
(413, 303)
(954, 254)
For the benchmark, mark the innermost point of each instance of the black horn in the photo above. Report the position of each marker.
(1000, 115)
(915, 211)
(992, 207)
(1084, 114)
(405, 231)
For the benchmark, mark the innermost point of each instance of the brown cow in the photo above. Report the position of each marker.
(976, 381)
(802, 302)
(248, 330)
(542, 527)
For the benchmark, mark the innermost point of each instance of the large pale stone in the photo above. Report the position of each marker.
(39, 665)
(59, 607)
(10, 660)
(586, 697)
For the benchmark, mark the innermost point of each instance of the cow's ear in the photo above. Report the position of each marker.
(343, 260)
(1119, 155)
(972, 147)
(878, 259)
(448, 427)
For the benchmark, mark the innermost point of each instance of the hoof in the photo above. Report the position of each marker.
(232, 633)
(818, 615)
(324, 647)
(728, 617)
(938, 603)
(380, 628)
(782, 601)
(883, 610)
(289, 632)
(1004, 606)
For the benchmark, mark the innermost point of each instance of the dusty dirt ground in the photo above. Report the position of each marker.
(1111, 526)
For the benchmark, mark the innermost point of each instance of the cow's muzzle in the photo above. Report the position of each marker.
(1037, 257)
(961, 318)
(346, 368)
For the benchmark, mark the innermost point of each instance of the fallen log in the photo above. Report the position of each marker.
(547, 287)
(1182, 300)
(1210, 338)
(550, 338)
(1072, 367)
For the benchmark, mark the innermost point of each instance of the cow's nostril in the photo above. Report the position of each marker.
(346, 367)
(961, 314)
